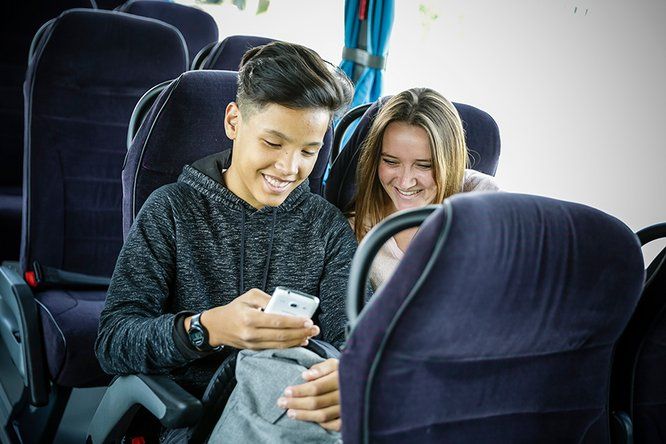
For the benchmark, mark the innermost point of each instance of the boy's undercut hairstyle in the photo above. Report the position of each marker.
(293, 76)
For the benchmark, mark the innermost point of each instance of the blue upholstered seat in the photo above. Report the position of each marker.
(497, 326)
(86, 71)
(82, 83)
(83, 80)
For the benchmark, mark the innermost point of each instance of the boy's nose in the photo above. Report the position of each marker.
(287, 163)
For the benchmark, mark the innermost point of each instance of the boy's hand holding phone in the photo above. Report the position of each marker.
(242, 324)
(292, 303)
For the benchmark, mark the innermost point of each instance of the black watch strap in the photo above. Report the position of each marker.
(198, 335)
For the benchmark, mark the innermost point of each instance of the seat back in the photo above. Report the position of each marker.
(185, 123)
(481, 136)
(227, 54)
(639, 380)
(497, 326)
(197, 26)
(85, 75)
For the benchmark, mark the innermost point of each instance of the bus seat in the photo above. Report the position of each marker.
(182, 123)
(16, 30)
(196, 25)
(481, 135)
(639, 377)
(86, 71)
(498, 325)
(227, 54)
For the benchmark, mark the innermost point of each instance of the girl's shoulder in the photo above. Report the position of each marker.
(478, 181)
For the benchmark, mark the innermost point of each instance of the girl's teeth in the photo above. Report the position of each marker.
(408, 193)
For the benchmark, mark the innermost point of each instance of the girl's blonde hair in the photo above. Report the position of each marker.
(439, 118)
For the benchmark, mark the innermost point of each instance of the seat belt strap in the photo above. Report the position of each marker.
(42, 276)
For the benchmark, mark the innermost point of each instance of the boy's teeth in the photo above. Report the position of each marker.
(275, 182)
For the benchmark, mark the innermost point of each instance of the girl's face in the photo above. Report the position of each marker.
(405, 167)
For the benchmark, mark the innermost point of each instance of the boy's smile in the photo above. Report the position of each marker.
(275, 184)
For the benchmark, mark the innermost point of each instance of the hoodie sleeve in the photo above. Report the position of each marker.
(135, 332)
(340, 249)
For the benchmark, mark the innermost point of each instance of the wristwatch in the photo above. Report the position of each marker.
(198, 335)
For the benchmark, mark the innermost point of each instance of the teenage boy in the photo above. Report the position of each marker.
(200, 261)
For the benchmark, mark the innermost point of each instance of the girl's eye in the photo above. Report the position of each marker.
(389, 162)
(272, 145)
(424, 166)
(309, 153)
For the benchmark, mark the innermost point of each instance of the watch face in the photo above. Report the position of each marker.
(197, 338)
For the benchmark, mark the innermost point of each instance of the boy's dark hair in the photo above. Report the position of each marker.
(293, 76)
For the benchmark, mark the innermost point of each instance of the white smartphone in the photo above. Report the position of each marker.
(292, 303)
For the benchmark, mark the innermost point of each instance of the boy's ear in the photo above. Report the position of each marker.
(231, 120)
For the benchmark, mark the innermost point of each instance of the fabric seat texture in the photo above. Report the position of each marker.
(16, 30)
(498, 325)
(197, 26)
(83, 80)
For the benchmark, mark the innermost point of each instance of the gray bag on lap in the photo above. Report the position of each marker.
(252, 414)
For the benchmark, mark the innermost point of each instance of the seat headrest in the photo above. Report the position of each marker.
(227, 54)
(197, 26)
(84, 33)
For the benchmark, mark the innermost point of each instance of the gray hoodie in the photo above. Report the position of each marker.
(196, 245)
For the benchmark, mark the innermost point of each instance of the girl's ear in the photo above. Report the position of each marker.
(231, 120)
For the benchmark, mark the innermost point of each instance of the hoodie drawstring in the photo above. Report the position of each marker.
(270, 249)
(241, 283)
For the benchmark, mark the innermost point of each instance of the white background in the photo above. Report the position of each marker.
(576, 87)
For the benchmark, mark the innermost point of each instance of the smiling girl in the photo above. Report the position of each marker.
(414, 155)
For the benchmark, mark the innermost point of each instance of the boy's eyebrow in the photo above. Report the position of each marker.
(416, 160)
(288, 140)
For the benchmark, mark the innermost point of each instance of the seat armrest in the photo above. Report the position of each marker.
(162, 397)
(622, 429)
(20, 330)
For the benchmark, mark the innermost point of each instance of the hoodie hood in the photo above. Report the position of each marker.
(205, 175)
